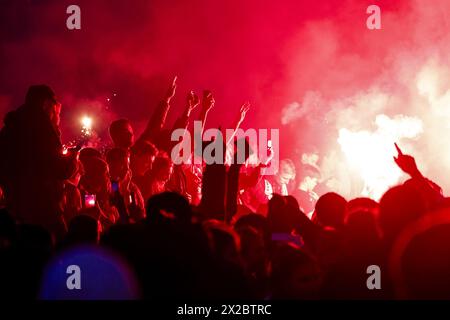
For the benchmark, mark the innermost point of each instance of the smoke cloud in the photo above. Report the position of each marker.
(310, 68)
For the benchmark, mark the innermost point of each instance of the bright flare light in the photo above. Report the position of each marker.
(371, 153)
(86, 122)
(86, 126)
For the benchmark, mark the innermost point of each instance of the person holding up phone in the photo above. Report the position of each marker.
(125, 195)
(95, 189)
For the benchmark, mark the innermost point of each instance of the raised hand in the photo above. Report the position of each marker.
(243, 111)
(208, 100)
(171, 91)
(266, 162)
(241, 116)
(406, 163)
(192, 101)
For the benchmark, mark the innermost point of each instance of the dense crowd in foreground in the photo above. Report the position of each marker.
(139, 226)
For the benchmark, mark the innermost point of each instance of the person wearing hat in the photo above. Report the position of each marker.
(32, 165)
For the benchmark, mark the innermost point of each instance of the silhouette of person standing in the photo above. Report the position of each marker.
(32, 166)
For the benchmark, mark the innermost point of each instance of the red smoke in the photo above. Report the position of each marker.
(309, 67)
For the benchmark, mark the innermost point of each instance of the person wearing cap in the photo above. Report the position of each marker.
(32, 165)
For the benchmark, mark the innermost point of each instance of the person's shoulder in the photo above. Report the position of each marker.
(11, 117)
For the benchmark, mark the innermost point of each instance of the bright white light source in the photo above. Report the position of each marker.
(86, 126)
(86, 122)
(371, 153)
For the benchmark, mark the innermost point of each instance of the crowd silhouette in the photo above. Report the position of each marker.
(208, 231)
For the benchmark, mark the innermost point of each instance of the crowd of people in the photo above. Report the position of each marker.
(206, 231)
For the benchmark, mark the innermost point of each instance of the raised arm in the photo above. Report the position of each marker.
(158, 119)
(192, 102)
(239, 119)
(408, 165)
(207, 104)
(182, 122)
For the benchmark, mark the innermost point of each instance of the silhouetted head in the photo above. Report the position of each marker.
(93, 213)
(96, 177)
(252, 220)
(399, 206)
(162, 168)
(432, 194)
(279, 216)
(44, 98)
(295, 274)
(419, 262)
(289, 220)
(224, 241)
(86, 153)
(169, 206)
(83, 229)
(142, 155)
(362, 204)
(292, 202)
(121, 133)
(38, 95)
(286, 173)
(361, 226)
(276, 204)
(330, 210)
(309, 177)
(118, 162)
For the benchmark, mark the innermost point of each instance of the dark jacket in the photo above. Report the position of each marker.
(32, 167)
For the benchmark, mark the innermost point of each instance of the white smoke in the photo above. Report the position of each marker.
(371, 153)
